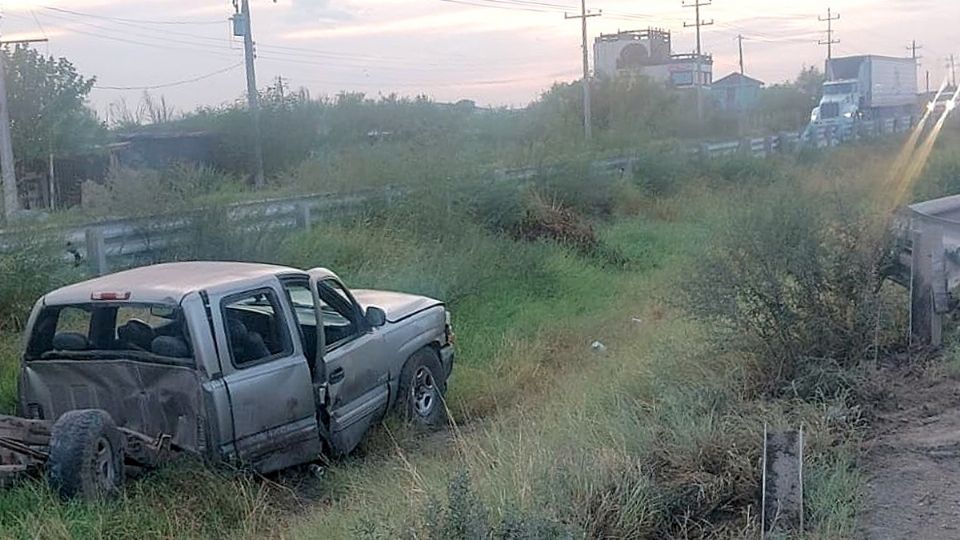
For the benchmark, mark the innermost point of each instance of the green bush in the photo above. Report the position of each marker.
(28, 270)
(147, 192)
(746, 170)
(661, 171)
(791, 279)
(942, 175)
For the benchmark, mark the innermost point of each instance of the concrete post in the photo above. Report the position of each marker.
(769, 144)
(705, 151)
(927, 293)
(96, 250)
(304, 216)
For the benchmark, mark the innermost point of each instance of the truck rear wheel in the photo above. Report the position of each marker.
(422, 387)
(86, 456)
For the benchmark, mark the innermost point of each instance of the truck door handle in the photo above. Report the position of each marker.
(336, 376)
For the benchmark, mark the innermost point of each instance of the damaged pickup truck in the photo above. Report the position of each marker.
(262, 366)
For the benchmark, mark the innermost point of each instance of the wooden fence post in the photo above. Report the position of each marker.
(96, 250)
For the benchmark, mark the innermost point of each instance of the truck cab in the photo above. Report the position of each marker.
(840, 104)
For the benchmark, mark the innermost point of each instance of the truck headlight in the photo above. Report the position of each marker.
(848, 115)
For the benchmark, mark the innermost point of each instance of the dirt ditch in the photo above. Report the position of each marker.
(913, 459)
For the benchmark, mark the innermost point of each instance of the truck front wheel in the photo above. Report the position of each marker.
(86, 456)
(422, 387)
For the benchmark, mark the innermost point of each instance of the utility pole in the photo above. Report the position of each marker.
(698, 76)
(830, 42)
(741, 108)
(11, 197)
(740, 40)
(952, 66)
(243, 27)
(913, 48)
(587, 116)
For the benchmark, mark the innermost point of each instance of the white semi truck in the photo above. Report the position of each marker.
(866, 88)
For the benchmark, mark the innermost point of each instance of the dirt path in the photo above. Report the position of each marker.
(914, 461)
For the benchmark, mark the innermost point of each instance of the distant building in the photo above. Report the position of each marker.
(649, 52)
(156, 149)
(736, 92)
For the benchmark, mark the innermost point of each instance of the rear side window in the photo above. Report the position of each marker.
(105, 330)
(256, 331)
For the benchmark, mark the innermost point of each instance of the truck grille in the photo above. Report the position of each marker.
(829, 110)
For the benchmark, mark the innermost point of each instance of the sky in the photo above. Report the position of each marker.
(496, 52)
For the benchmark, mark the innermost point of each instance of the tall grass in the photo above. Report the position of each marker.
(655, 435)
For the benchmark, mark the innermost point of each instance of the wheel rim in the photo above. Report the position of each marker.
(105, 468)
(424, 392)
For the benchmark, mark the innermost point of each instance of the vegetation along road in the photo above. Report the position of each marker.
(622, 339)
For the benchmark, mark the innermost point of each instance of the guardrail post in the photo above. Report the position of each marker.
(746, 147)
(304, 216)
(786, 144)
(96, 250)
(705, 151)
(769, 145)
(926, 321)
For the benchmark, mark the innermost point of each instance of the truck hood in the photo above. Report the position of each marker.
(398, 306)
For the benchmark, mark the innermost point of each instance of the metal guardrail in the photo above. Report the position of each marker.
(124, 239)
(930, 264)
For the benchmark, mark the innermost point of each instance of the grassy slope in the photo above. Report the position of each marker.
(577, 442)
(551, 435)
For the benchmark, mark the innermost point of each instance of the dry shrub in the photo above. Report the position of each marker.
(550, 220)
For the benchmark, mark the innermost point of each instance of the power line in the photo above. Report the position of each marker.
(172, 84)
(137, 21)
(542, 7)
(202, 48)
(221, 44)
(164, 35)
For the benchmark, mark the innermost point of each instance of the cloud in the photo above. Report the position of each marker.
(318, 10)
(459, 22)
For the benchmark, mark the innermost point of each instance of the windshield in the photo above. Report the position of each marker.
(839, 88)
(89, 331)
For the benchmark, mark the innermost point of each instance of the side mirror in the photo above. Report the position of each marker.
(376, 317)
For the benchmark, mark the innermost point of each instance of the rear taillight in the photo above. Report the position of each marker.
(110, 296)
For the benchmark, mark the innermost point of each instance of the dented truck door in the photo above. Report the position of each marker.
(354, 362)
(267, 378)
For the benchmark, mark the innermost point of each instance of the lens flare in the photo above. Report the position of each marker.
(919, 158)
(904, 158)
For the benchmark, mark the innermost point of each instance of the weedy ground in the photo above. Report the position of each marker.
(658, 435)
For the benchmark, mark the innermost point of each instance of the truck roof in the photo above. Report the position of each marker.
(166, 283)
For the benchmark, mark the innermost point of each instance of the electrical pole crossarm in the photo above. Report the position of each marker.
(830, 42)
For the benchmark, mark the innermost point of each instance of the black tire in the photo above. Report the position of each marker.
(86, 456)
(422, 386)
